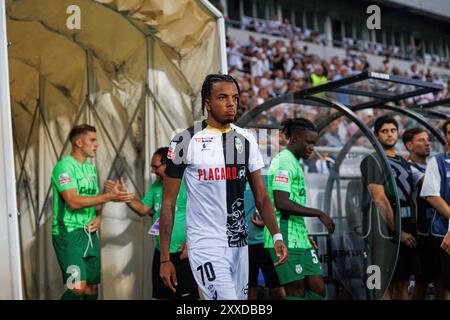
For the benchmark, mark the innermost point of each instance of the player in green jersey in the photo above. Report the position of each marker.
(301, 275)
(76, 215)
(150, 204)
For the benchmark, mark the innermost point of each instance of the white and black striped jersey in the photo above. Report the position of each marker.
(214, 165)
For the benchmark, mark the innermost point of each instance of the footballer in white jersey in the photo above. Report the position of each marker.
(216, 158)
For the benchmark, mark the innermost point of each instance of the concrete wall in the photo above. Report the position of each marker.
(438, 7)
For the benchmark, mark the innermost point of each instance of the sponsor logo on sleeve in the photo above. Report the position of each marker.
(64, 179)
(171, 152)
(282, 176)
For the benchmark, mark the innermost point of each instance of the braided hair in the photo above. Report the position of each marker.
(298, 124)
(209, 82)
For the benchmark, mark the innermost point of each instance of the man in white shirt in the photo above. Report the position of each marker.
(436, 190)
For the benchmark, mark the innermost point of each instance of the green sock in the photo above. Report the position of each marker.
(294, 298)
(311, 295)
(90, 297)
(70, 295)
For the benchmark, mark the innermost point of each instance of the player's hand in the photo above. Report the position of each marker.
(327, 222)
(121, 185)
(408, 240)
(313, 243)
(446, 243)
(257, 222)
(282, 252)
(94, 224)
(168, 276)
(121, 196)
(183, 249)
(110, 184)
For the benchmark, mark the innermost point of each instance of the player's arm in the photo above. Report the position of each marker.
(135, 204)
(431, 189)
(446, 243)
(167, 213)
(266, 211)
(170, 193)
(288, 207)
(76, 201)
(375, 180)
(138, 207)
(384, 206)
(382, 203)
(257, 222)
(95, 223)
(440, 205)
(262, 201)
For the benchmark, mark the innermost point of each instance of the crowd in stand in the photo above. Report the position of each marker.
(265, 70)
(285, 28)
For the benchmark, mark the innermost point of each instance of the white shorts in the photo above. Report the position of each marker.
(221, 273)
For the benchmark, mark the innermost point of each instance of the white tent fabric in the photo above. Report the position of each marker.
(134, 69)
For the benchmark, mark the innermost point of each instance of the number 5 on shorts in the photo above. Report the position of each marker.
(209, 270)
(314, 256)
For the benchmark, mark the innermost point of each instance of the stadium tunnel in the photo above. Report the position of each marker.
(362, 238)
(133, 70)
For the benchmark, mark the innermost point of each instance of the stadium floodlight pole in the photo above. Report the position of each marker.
(221, 30)
(10, 262)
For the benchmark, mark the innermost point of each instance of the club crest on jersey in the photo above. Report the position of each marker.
(298, 269)
(171, 151)
(64, 179)
(238, 144)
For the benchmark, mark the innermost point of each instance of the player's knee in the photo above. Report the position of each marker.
(296, 288)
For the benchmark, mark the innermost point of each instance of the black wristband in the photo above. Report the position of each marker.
(165, 261)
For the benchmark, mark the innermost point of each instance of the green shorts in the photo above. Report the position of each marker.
(78, 256)
(300, 263)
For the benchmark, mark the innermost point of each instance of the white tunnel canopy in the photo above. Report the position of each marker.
(134, 69)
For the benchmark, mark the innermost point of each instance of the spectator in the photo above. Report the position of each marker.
(332, 135)
(286, 28)
(297, 73)
(274, 26)
(266, 81)
(234, 56)
(317, 78)
(263, 95)
(343, 97)
(257, 65)
(279, 84)
(245, 103)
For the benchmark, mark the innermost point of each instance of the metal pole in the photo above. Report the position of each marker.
(221, 30)
(8, 183)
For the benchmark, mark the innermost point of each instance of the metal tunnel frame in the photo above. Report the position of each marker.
(305, 97)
